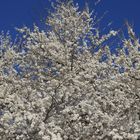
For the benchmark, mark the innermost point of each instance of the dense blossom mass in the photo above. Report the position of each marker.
(55, 85)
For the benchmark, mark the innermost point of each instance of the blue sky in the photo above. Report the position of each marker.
(16, 13)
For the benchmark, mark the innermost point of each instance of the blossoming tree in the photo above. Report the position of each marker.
(55, 88)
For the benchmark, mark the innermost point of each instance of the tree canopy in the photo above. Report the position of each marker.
(55, 86)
